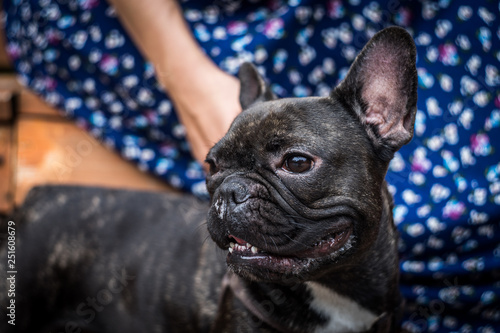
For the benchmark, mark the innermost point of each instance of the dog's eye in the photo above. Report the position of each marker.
(297, 164)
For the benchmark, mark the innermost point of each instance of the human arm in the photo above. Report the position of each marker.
(205, 97)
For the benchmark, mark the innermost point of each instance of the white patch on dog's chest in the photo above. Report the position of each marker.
(343, 314)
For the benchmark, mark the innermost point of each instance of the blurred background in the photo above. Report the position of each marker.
(40, 146)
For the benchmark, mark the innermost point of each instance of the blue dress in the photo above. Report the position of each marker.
(446, 182)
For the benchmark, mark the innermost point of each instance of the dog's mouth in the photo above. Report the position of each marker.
(244, 254)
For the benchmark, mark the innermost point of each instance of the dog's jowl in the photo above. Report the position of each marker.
(300, 213)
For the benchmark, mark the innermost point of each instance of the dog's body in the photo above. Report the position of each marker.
(298, 200)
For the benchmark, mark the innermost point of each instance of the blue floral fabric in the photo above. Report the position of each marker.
(446, 182)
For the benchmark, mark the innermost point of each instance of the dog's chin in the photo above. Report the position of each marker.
(255, 264)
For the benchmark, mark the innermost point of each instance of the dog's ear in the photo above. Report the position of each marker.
(253, 88)
(381, 88)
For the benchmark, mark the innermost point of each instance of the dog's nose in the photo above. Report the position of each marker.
(236, 191)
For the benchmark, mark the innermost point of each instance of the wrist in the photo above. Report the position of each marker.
(180, 75)
(195, 76)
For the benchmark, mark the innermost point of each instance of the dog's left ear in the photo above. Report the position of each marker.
(381, 88)
(253, 88)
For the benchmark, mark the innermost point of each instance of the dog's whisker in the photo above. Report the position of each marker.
(294, 240)
(275, 246)
(293, 220)
(265, 241)
(202, 225)
(207, 237)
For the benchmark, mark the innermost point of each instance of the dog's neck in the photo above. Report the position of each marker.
(353, 299)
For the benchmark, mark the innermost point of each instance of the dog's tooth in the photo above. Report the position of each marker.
(231, 245)
(249, 245)
(230, 250)
(254, 249)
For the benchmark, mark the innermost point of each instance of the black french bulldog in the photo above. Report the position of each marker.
(299, 204)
